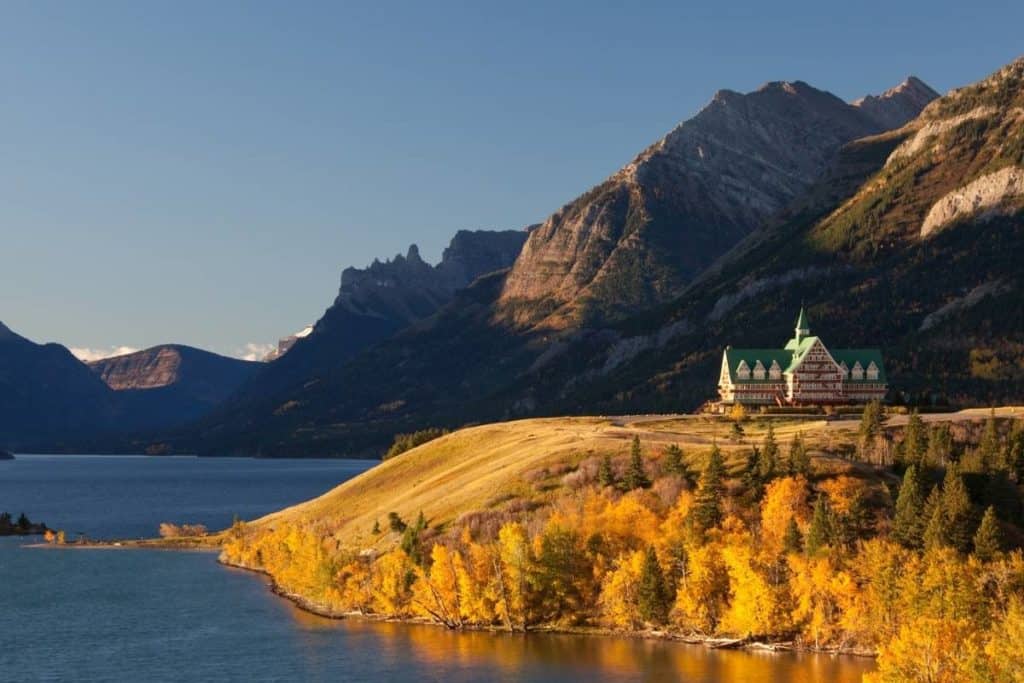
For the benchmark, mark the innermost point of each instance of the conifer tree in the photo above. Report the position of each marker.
(736, 432)
(376, 527)
(956, 506)
(652, 592)
(606, 473)
(799, 458)
(792, 542)
(990, 448)
(820, 532)
(674, 464)
(769, 455)
(988, 539)
(912, 449)
(870, 430)
(707, 503)
(636, 477)
(935, 533)
(753, 485)
(908, 524)
(940, 446)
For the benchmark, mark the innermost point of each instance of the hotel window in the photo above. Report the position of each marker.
(743, 370)
(775, 372)
(872, 371)
(858, 371)
(759, 371)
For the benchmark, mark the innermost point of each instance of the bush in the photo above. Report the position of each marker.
(168, 530)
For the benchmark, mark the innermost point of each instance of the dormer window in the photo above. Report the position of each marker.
(775, 371)
(845, 369)
(759, 371)
(872, 371)
(858, 371)
(743, 370)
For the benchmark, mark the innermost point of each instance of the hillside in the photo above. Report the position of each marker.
(810, 533)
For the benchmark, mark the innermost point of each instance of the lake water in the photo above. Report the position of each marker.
(144, 615)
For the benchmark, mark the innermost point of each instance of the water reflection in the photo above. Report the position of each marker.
(517, 657)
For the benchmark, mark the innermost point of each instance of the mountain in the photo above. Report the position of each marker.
(522, 342)
(171, 383)
(285, 344)
(372, 304)
(897, 106)
(639, 237)
(48, 395)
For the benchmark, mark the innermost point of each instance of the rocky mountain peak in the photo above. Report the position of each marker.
(898, 105)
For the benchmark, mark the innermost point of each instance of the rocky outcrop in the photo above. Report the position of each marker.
(285, 344)
(997, 192)
(208, 377)
(897, 106)
(640, 236)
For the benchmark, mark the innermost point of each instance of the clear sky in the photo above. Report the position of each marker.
(200, 172)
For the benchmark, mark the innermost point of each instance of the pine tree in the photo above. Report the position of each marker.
(736, 432)
(636, 477)
(912, 449)
(990, 448)
(769, 455)
(799, 458)
(956, 506)
(792, 542)
(935, 533)
(940, 446)
(652, 592)
(820, 532)
(376, 527)
(870, 430)
(707, 503)
(753, 485)
(673, 463)
(907, 524)
(606, 473)
(988, 539)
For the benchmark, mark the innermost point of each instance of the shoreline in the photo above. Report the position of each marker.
(711, 643)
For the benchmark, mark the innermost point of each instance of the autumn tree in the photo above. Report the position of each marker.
(562, 573)
(513, 566)
(940, 446)
(870, 431)
(636, 476)
(907, 525)
(606, 473)
(988, 539)
(792, 541)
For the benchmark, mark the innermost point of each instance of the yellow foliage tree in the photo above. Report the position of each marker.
(619, 597)
(784, 499)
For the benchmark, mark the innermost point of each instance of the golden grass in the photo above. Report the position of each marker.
(465, 470)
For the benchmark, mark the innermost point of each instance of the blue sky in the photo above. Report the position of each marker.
(201, 172)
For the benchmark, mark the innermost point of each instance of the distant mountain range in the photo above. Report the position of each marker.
(896, 219)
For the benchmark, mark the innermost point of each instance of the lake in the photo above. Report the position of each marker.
(150, 615)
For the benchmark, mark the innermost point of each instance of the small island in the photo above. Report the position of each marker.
(20, 527)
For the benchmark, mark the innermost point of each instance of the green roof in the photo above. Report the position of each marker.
(751, 356)
(801, 321)
(789, 357)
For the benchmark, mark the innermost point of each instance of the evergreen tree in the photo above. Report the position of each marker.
(870, 430)
(606, 473)
(707, 503)
(1015, 450)
(410, 542)
(769, 455)
(913, 446)
(652, 592)
(908, 524)
(23, 522)
(376, 527)
(396, 523)
(935, 533)
(940, 446)
(674, 464)
(736, 432)
(799, 458)
(990, 448)
(856, 523)
(792, 542)
(820, 533)
(956, 506)
(636, 477)
(753, 485)
(988, 539)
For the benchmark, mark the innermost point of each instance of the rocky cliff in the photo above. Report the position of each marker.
(638, 238)
(897, 106)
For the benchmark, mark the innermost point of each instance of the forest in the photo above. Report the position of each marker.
(904, 544)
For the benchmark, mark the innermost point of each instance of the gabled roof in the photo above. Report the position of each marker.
(865, 356)
(733, 357)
